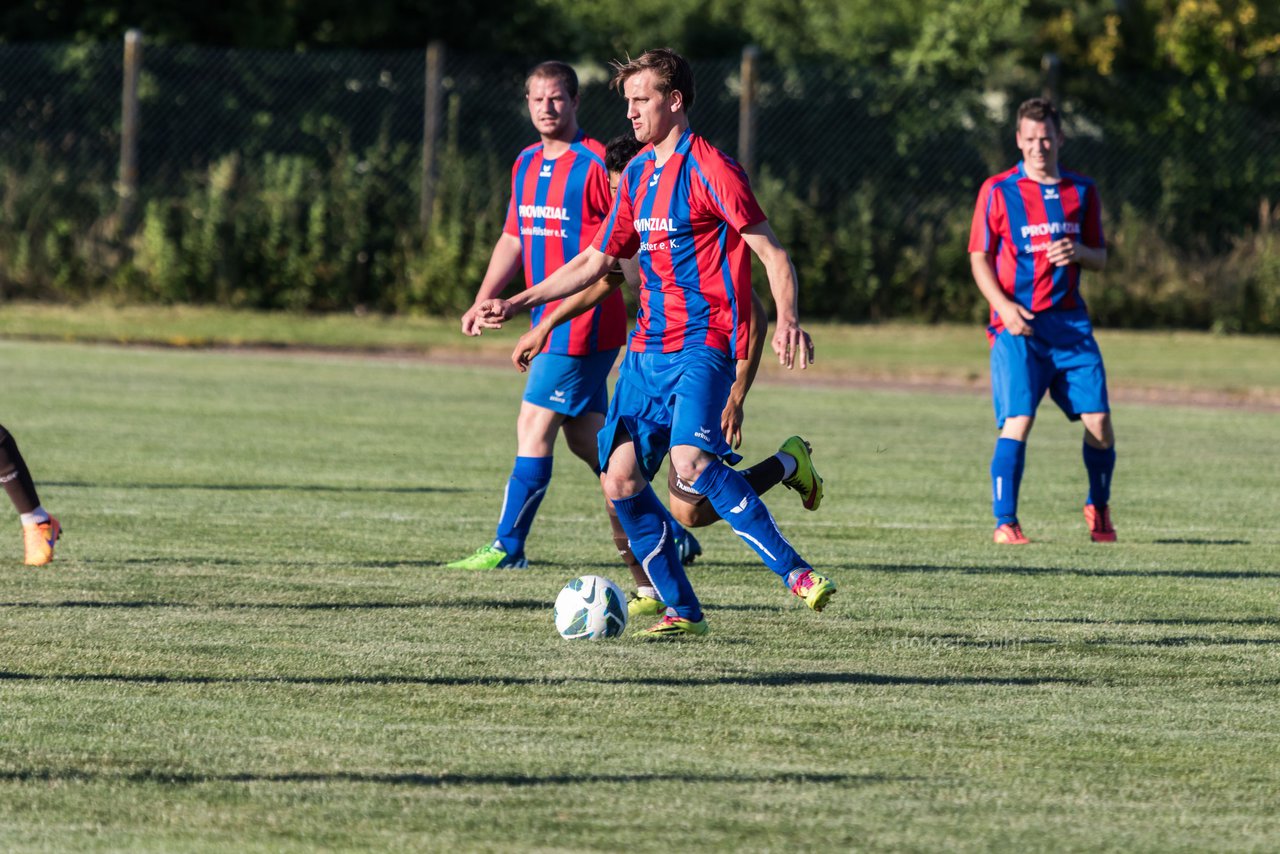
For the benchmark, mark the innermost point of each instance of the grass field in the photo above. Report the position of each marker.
(1234, 369)
(247, 642)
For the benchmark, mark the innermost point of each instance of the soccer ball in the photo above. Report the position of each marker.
(590, 608)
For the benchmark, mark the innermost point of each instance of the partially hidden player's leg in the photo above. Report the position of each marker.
(1080, 390)
(581, 434)
(792, 466)
(649, 529)
(536, 431)
(40, 531)
(1099, 452)
(735, 501)
(1007, 464)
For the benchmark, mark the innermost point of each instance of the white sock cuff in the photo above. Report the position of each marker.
(789, 464)
(35, 517)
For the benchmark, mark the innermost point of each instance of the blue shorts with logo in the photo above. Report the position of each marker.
(570, 385)
(667, 399)
(1062, 358)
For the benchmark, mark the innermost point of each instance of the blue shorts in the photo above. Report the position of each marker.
(570, 385)
(666, 399)
(1062, 358)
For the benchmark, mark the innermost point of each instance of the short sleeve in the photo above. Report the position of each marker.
(727, 192)
(1091, 228)
(984, 232)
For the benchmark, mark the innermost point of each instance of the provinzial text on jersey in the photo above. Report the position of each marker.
(1040, 229)
(544, 212)
(655, 224)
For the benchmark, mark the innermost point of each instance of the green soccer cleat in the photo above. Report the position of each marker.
(805, 480)
(672, 626)
(490, 557)
(813, 588)
(644, 606)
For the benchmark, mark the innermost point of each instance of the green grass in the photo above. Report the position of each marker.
(1239, 367)
(247, 642)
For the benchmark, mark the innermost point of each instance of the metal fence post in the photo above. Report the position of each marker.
(747, 110)
(431, 124)
(1051, 68)
(130, 117)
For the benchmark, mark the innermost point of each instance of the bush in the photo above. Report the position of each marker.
(341, 233)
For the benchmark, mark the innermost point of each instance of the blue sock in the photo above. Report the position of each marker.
(738, 505)
(1099, 463)
(677, 530)
(1006, 477)
(648, 526)
(525, 488)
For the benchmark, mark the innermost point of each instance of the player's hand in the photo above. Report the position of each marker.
(492, 313)
(1015, 318)
(731, 422)
(1062, 252)
(528, 347)
(470, 321)
(793, 346)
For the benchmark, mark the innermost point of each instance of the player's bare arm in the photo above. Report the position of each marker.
(732, 417)
(504, 263)
(1069, 251)
(532, 342)
(791, 343)
(588, 266)
(1013, 314)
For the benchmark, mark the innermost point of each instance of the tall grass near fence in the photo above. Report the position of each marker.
(287, 231)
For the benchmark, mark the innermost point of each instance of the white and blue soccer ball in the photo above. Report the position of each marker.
(591, 608)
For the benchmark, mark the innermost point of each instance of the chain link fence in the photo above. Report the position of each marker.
(293, 180)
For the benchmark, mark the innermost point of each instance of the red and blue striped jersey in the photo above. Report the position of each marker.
(1017, 218)
(682, 221)
(556, 208)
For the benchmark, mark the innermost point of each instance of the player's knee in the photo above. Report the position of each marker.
(1098, 426)
(689, 466)
(1017, 428)
(618, 486)
(536, 431)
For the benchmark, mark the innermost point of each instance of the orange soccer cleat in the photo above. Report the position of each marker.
(1099, 520)
(1009, 534)
(38, 540)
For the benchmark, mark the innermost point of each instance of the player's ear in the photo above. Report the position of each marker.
(676, 100)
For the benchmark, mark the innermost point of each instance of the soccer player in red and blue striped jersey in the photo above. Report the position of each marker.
(1035, 228)
(559, 195)
(686, 212)
(792, 465)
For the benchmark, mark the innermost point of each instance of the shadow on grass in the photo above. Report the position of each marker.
(757, 679)
(1161, 621)
(473, 604)
(1179, 640)
(946, 641)
(171, 778)
(190, 560)
(1059, 570)
(255, 487)
(1181, 541)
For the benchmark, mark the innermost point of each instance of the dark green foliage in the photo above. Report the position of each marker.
(292, 180)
